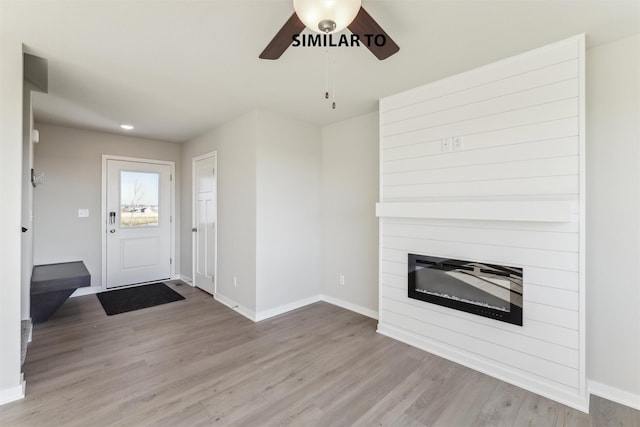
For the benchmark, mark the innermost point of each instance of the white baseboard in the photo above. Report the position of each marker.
(13, 393)
(614, 394)
(566, 397)
(266, 314)
(188, 280)
(350, 306)
(88, 290)
(245, 311)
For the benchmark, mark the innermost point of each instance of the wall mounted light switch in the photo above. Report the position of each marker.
(458, 144)
(83, 213)
(445, 144)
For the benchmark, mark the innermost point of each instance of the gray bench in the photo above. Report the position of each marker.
(52, 284)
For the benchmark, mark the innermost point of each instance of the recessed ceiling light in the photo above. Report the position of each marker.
(126, 127)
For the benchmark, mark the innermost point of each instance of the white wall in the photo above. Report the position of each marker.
(613, 219)
(288, 212)
(350, 156)
(11, 79)
(235, 143)
(520, 123)
(71, 160)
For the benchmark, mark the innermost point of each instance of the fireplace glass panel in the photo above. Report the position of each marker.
(488, 290)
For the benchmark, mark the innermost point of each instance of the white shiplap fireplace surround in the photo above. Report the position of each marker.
(489, 166)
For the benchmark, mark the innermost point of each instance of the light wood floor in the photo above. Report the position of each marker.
(196, 362)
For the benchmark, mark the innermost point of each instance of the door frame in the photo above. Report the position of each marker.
(103, 213)
(194, 159)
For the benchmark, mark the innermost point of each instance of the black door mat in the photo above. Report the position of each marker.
(130, 299)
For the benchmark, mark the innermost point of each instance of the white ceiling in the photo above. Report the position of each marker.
(176, 69)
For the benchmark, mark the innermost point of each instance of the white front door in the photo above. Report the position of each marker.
(138, 215)
(205, 222)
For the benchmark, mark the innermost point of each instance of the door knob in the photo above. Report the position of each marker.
(194, 229)
(112, 231)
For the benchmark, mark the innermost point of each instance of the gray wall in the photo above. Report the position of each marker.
(613, 215)
(235, 143)
(10, 216)
(71, 160)
(268, 210)
(288, 235)
(350, 164)
(27, 200)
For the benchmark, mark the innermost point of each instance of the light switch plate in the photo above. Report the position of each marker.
(83, 213)
(445, 144)
(458, 144)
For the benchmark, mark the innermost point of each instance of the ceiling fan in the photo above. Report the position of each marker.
(328, 17)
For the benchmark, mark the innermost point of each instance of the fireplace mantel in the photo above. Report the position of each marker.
(493, 210)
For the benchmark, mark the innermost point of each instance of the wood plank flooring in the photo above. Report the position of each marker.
(197, 362)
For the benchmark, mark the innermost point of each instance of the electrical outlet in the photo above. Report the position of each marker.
(458, 145)
(83, 213)
(445, 144)
(341, 279)
(235, 282)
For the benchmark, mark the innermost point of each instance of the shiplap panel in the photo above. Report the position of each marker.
(543, 293)
(521, 126)
(518, 360)
(535, 328)
(557, 166)
(521, 64)
(396, 248)
(554, 78)
(561, 147)
(564, 318)
(543, 95)
(542, 349)
(553, 297)
(559, 279)
(565, 227)
(533, 133)
(536, 186)
(567, 242)
(405, 134)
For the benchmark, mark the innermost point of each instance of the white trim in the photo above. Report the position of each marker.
(276, 311)
(13, 393)
(583, 391)
(499, 371)
(195, 159)
(350, 306)
(103, 204)
(90, 290)
(186, 279)
(245, 311)
(614, 394)
(272, 312)
(492, 210)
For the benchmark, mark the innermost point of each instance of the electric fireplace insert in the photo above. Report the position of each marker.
(489, 290)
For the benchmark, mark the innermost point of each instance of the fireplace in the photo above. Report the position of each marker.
(489, 290)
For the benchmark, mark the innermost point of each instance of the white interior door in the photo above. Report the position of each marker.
(205, 222)
(138, 214)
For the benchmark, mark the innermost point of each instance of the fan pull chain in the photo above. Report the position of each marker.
(333, 103)
(326, 83)
(330, 79)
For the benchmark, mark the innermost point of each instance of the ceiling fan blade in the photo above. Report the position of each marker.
(283, 38)
(367, 29)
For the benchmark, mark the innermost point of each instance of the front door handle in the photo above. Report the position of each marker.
(112, 217)
(194, 229)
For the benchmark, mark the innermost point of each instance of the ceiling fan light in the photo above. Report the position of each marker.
(315, 14)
